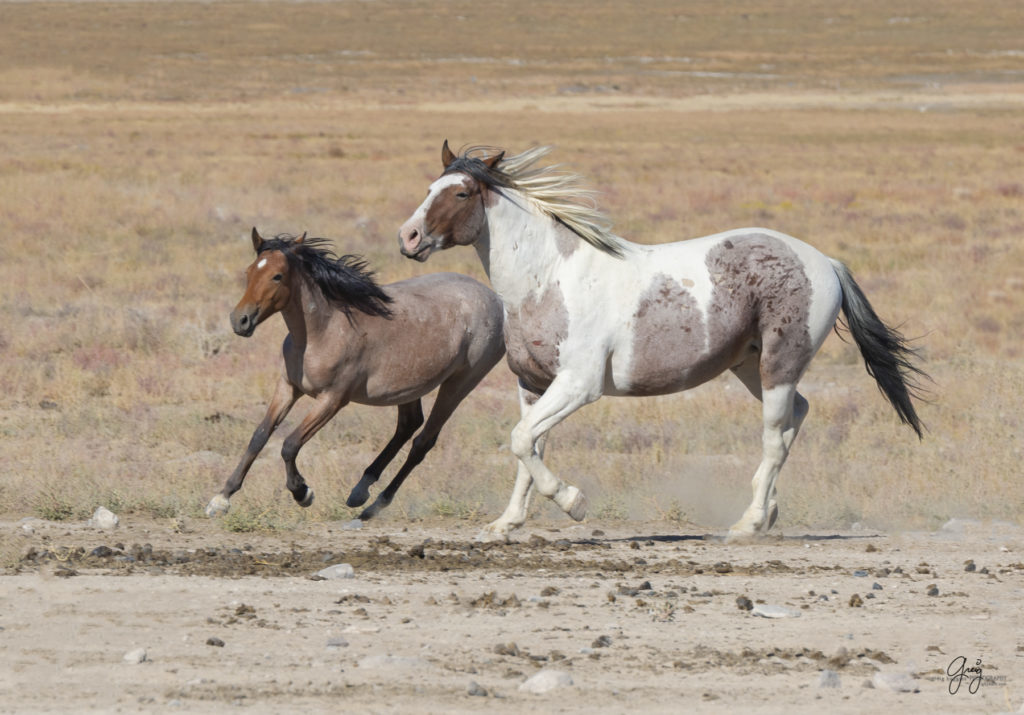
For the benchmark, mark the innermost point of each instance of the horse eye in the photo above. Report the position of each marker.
(277, 278)
(462, 195)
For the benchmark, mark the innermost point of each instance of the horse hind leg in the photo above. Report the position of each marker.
(451, 393)
(784, 410)
(410, 419)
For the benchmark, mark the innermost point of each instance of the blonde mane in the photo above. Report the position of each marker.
(557, 194)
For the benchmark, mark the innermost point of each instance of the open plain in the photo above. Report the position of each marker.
(141, 141)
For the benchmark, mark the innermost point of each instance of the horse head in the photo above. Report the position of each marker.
(453, 212)
(267, 288)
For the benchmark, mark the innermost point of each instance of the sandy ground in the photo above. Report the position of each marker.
(641, 617)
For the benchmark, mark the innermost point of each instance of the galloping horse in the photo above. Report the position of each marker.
(588, 313)
(350, 340)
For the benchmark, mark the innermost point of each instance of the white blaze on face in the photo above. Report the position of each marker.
(435, 189)
(263, 262)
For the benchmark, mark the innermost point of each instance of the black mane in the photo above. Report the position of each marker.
(344, 280)
(473, 166)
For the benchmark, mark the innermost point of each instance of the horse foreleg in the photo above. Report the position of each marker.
(780, 428)
(519, 503)
(565, 395)
(284, 397)
(325, 407)
(410, 418)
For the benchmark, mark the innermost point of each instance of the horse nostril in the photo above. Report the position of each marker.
(244, 321)
(412, 238)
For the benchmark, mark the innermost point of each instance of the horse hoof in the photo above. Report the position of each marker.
(358, 496)
(739, 536)
(218, 506)
(370, 512)
(578, 506)
(493, 533)
(309, 498)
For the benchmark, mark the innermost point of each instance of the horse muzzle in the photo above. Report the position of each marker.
(414, 244)
(243, 321)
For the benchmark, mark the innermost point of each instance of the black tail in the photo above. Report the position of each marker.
(887, 356)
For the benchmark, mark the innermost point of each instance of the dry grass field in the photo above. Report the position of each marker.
(140, 141)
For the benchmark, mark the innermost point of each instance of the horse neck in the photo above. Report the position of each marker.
(518, 248)
(308, 312)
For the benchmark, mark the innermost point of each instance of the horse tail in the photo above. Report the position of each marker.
(887, 355)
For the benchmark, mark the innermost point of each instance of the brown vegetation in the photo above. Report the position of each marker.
(139, 142)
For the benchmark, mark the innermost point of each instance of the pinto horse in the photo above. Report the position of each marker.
(350, 340)
(588, 313)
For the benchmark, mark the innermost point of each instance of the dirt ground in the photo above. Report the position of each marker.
(642, 617)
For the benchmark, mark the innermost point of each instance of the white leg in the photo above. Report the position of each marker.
(780, 430)
(519, 503)
(565, 395)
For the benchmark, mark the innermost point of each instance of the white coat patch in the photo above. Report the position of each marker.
(262, 263)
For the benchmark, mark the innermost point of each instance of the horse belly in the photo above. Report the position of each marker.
(534, 336)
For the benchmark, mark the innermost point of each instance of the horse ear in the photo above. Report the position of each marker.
(257, 240)
(492, 161)
(447, 157)
(301, 238)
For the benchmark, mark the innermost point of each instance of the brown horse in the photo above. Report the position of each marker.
(350, 340)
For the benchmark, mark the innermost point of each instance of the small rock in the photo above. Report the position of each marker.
(601, 642)
(860, 573)
(840, 658)
(828, 679)
(969, 566)
(475, 690)
(743, 603)
(336, 643)
(766, 610)
(506, 649)
(933, 590)
(215, 642)
(135, 656)
(876, 586)
(392, 661)
(354, 525)
(895, 682)
(103, 518)
(337, 571)
(545, 681)
(856, 601)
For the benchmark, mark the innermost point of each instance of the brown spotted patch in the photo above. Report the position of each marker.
(669, 339)
(566, 241)
(533, 334)
(760, 290)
